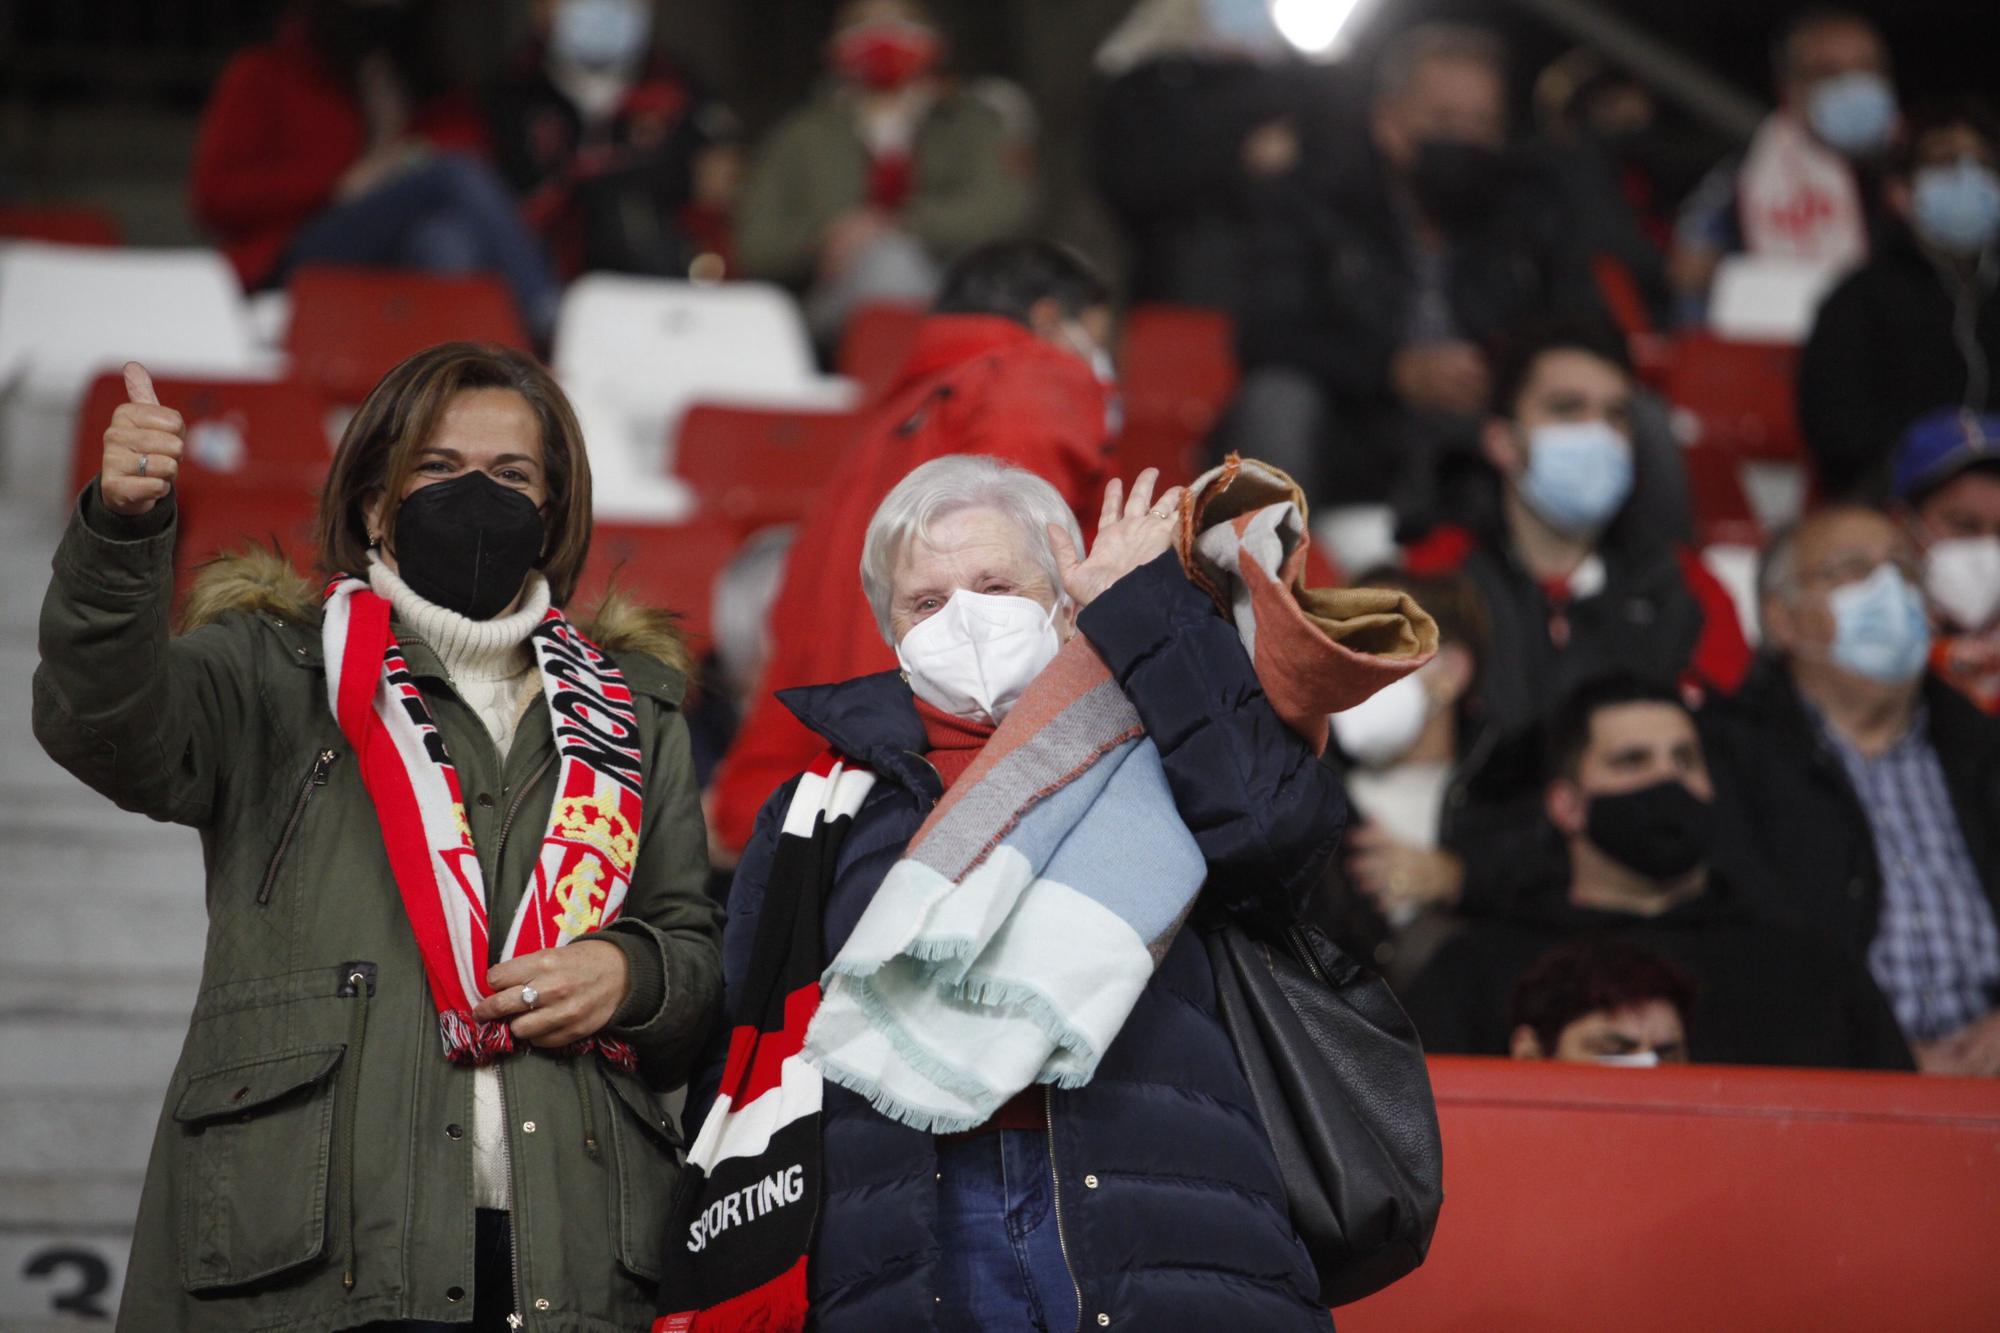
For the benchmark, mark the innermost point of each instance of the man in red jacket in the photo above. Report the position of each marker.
(1012, 365)
(326, 145)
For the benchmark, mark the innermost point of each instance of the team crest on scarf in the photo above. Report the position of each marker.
(585, 865)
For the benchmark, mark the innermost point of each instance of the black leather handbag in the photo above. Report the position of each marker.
(1339, 1080)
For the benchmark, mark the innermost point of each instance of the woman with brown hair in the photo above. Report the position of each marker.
(458, 938)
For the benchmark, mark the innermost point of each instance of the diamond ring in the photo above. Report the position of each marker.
(530, 996)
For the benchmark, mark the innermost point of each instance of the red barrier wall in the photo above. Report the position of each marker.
(1706, 1198)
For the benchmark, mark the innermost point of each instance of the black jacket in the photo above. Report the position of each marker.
(1897, 339)
(1171, 1200)
(1818, 854)
(1520, 264)
(609, 195)
(1167, 154)
(1765, 995)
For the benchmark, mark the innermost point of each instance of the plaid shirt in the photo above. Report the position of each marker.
(1936, 952)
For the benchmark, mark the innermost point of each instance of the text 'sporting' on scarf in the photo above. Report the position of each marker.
(587, 852)
(743, 1220)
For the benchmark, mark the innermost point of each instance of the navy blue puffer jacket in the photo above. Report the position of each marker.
(1172, 1211)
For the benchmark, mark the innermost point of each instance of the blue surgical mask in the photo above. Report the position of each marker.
(1246, 26)
(1578, 476)
(601, 34)
(1956, 207)
(1879, 627)
(1854, 113)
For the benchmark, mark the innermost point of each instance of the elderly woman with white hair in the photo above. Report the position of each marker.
(872, 1182)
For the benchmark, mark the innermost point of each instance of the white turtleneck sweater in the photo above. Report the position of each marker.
(492, 668)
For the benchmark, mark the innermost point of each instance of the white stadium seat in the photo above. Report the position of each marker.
(645, 349)
(69, 312)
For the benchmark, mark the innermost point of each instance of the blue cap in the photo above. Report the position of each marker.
(1937, 447)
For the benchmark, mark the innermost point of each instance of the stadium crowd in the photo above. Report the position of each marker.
(1641, 806)
(1719, 823)
(1767, 815)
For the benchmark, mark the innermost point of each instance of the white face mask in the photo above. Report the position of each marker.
(975, 655)
(1630, 1060)
(1962, 576)
(1385, 726)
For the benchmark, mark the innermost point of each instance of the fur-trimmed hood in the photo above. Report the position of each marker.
(260, 580)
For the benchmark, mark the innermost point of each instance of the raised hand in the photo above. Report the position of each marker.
(1130, 532)
(142, 448)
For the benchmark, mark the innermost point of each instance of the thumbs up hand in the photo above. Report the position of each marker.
(142, 448)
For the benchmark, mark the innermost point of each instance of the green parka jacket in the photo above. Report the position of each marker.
(312, 1169)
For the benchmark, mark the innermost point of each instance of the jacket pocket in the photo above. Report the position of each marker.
(646, 1151)
(258, 1135)
(315, 778)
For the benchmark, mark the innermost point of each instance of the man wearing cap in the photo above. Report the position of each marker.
(1872, 786)
(1947, 484)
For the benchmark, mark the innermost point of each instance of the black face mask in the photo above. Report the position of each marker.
(1456, 183)
(1662, 831)
(467, 544)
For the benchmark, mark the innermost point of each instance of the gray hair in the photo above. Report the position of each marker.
(1778, 572)
(944, 486)
(1418, 46)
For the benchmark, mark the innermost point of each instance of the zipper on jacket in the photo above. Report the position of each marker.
(514, 1317)
(1302, 948)
(358, 985)
(315, 779)
(1055, 1199)
(514, 806)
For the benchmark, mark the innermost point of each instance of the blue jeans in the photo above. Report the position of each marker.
(1003, 1266)
(449, 214)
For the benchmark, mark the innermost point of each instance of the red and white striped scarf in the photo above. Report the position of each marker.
(585, 866)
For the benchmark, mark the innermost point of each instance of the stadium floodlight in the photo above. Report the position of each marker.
(1314, 27)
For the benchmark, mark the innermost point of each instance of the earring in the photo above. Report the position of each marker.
(374, 541)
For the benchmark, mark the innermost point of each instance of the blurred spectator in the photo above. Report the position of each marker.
(732, 674)
(1427, 251)
(623, 161)
(1873, 787)
(1612, 119)
(1007, 366)
(1407, 750)
(329, 144)
(1633, 800)
(1572, 584)
(1948, 495)
(1805, 188)
(1211, 145)
(1602, 1001)
(1917, 327)
(1602, 146)
(888, 174)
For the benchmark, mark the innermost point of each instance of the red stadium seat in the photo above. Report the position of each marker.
(876, 342)
(672, 568)
(243, 436)
(757, 466)
(65, 224)
(1177, 372)
(351, 326)
(1740, 397)
(1703, 1197)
